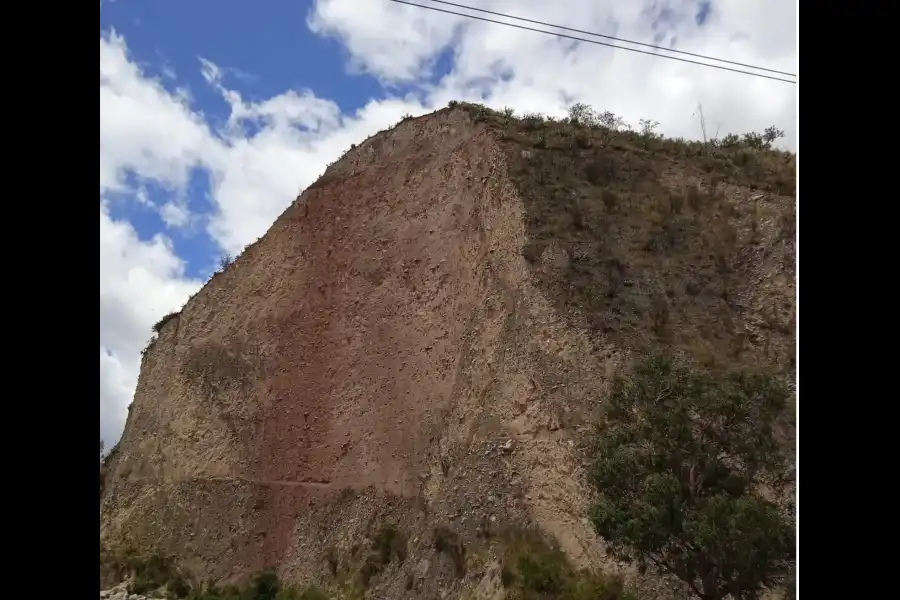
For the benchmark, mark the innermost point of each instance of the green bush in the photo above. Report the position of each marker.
(541, 573)
(533, 569)
(680, 463)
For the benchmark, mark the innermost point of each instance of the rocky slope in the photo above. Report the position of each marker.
(422, 339)
(120, 592)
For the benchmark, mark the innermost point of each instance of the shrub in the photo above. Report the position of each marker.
(541, 573)
(225, 261)
(179, 586)
(611, 121)
(647, 128)
(581, 114)
(264, 586)
(157, 327)
(533, 569)
(532, 121)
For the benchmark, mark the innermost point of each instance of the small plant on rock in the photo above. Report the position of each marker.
(581, 114)
(157, 327)
(225, 261)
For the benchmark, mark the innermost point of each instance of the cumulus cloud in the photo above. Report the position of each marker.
(140, 281)
(265, 152)
(143, 128)
(533, 71)
(408, 51)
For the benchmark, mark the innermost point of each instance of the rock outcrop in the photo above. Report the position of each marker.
(422, 338)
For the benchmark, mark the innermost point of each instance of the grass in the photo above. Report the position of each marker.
(535, 569)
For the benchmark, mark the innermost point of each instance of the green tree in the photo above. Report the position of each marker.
(686, 462)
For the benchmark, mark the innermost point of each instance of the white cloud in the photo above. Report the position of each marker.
(406, 53)
(143, 128)
(544, 69)
(266, 151)
(140, 281)
(175, 214)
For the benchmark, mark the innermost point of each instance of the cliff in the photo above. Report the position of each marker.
(423, 338)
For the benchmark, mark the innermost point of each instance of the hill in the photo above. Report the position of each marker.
(420, 344)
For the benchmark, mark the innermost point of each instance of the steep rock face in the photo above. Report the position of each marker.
(416, 339)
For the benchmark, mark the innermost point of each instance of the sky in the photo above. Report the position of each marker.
(216, 114)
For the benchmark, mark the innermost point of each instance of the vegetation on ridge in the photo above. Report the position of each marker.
(609, 128)
(653, 242)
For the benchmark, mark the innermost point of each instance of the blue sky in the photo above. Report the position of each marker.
(215, 114)
(264, 51)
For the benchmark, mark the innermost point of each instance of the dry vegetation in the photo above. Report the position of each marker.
(533, 568)
(652, 241)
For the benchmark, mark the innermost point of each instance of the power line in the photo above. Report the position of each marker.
(599, 43)
(610, 37)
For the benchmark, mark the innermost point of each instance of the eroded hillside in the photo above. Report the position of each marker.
(422, 340)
